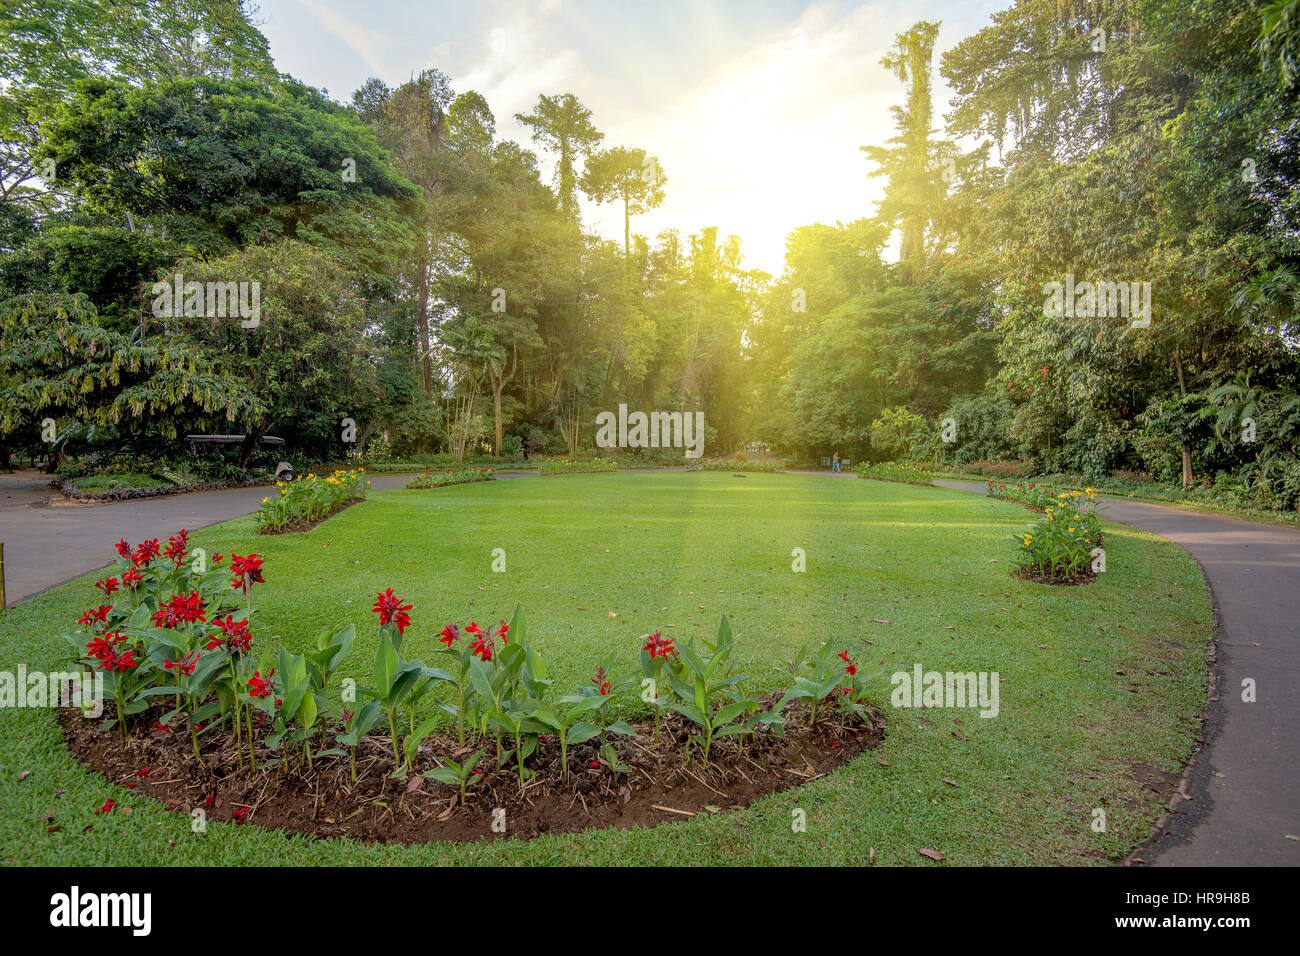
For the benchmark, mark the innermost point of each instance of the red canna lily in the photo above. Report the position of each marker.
(95, 615)
(391, 610)
(259, 686)
(658, 646)
(108, 806)
(108, 585)
(247, 571)
(113, 661)
(183, 666)
(176, 547)
(234, 635)
(145, 552)
(123, 549)
(449, 635)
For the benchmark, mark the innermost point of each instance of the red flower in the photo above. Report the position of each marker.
(95, 615)
(143, 771)
(390, 609)
(473, 629)
(658, 646)
(146, 552)
(234, 635)
(113, 661)
(108, 806)
(181, 609)
(481, 648)
(449, 635)
(501, 632)
(602, 685)
(1043, 370)
(216, 559)
(185, 665)
(132, 577)
(101, 648)
(850, 668)
(176, 547)
(108, 585)
(259, 686)
(240, 812)
(247, 571)
(123, 549)
(159, 728)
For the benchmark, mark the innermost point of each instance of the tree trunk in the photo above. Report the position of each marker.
(422, 311)
(252, 440)
(1186, 448)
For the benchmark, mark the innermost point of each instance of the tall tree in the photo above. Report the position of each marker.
(627, 174)
(563, 125)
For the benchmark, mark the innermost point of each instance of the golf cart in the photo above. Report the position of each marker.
(267, 459)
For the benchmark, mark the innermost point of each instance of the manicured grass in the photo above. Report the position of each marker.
(1094, 679)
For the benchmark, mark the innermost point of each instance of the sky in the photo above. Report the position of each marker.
(755, 109)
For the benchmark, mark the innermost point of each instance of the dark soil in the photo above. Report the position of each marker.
(294, 527)
(1084, 576)
(660, 785)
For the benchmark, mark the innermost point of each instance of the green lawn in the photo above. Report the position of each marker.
(1095, 679)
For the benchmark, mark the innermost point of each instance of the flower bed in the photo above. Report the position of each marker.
(1030, 495)
(1063, 546)
(432, 479)
(573, 466)
(735, 464)
(900, 471)
(208, 720)
(305, 502)
(70, 490)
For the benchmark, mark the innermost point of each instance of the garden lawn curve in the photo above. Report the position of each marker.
(1101, 685)
(1243, 786)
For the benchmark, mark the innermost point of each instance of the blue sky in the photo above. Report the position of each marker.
(755, 110)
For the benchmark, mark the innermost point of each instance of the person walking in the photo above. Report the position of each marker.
(835, 462)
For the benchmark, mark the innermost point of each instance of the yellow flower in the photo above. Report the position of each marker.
(265, 500)
(1071, 530)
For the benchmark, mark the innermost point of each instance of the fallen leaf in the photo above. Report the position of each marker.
(927, 852)
(879, 621)
(24, 775)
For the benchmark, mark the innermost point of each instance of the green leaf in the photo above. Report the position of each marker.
(385, 665)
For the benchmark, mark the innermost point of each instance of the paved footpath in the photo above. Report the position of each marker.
(1244, 784)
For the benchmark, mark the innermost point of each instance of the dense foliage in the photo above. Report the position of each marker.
(425, 292)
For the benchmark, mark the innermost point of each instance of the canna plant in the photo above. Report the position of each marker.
(815, 679)
(398, 680)
(459, 775)
(697, 680)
